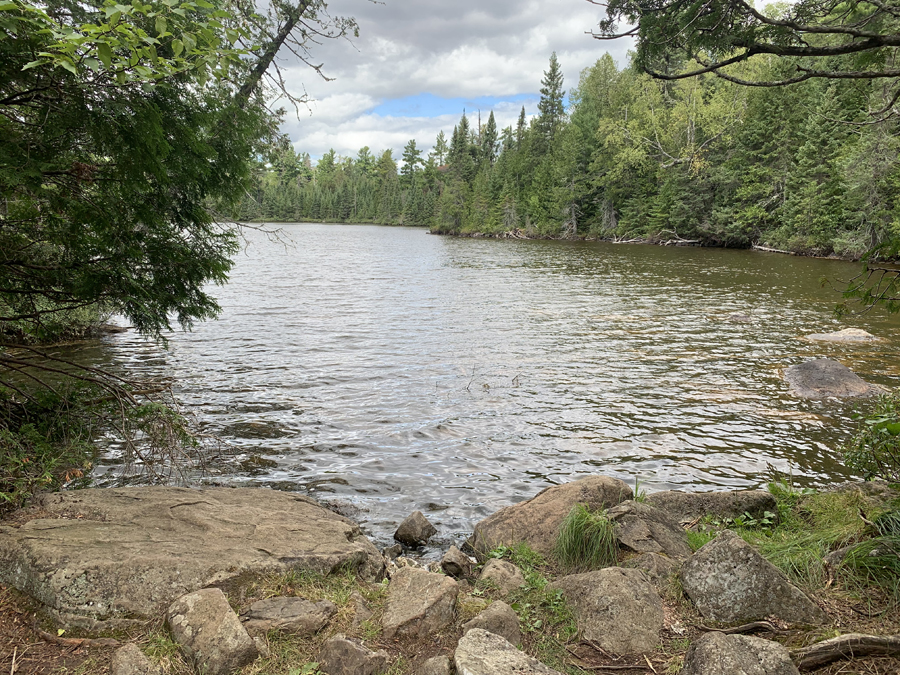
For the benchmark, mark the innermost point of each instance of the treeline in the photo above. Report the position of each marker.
(810, 167)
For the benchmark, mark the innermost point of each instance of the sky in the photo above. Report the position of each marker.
(417, 64)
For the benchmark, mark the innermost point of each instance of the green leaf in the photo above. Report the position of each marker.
(68, 65)
(104, 53)
(7, 6)
(160, 25)
(32, 64)
(177, 47)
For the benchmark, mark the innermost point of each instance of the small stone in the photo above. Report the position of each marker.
(616, 608)
(500, 619)
(210, 633)
(456, 563)
(716, 654)
(392, 552)
(130, 660)
(646, 529)
(502, 575)
(341, 655)
(729, 581)
(480, 652)
(288, 615)
(262, 647)
(438, 665)
(415, 530)
(824, 378)
(419, 603)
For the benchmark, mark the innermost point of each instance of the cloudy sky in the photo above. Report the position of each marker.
(418, 63)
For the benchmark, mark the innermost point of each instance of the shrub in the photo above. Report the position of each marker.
(586, 540)
(874, 450)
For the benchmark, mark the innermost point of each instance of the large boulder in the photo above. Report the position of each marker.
(419, 603)
(617, 608)
(480, 652)
(688, 507)
(209, 632)
(643, 528)
(107, 558)
(824, 378)
(717, 654)
(536, 521)
(729, 581)
(288, 615)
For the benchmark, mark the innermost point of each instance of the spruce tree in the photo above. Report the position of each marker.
(551, 111)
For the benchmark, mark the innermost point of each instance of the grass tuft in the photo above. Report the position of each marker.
(586, 541)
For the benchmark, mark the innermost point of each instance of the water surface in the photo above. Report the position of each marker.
(389, 370)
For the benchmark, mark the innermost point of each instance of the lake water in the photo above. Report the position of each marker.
(388, 370)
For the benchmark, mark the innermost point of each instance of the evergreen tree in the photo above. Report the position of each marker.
(412, 158)
(489, 141)
(551, 112)
(440, 148)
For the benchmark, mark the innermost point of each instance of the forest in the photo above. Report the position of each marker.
(810, 168)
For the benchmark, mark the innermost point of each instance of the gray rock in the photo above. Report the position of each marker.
(846, 335)
(288, 615)
(643, 528)
(456, 563)
(501, 575)
(392, 552)
(687, 507)
(341, 655)
(130, 660)
(658, 568)
(480, 652)
(617, 608)
(824, 378)
(210, 633)
(500, 619)
(419, 603)
(537, 520)
(115, 558)
(262, 646)
(739, 318)
(438, 665)
(415, 530)
(728, 581)
(717, 654)
(361, 610)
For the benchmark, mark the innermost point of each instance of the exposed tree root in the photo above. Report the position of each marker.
(845, 647)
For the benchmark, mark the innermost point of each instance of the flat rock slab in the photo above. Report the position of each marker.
(341, 655)
(107, 558)
(729, 581)
(716, 654)
(296, 616)
(617, 608)
(643, 528)
(480, 652)
(688, 507)
(846, 335)
(824, 378)
(537, 520)
(419, 603)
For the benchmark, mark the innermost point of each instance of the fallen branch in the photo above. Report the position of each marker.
(75, 642)
(845, 647)
(744, 628)
(757, 247)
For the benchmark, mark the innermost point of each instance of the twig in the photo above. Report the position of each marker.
(12, 668)
(75, 642)
(744, 628)
(649, 664)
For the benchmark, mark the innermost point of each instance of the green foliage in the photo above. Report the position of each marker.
(586, 541)
(874, 450)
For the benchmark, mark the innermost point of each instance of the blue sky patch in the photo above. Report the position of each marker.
(429, 105)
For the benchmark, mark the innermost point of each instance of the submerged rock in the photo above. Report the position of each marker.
(536, 521)
(824, 378)
(846, 335)
(105, 558)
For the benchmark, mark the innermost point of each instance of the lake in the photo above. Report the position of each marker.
(387, 370)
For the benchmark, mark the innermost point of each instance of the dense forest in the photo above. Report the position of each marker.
(810, 167)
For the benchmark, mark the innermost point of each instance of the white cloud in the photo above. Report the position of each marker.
(465, 49)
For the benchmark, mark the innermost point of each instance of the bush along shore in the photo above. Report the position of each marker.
(584, 577)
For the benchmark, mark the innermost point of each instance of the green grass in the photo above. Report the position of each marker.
(586, 541)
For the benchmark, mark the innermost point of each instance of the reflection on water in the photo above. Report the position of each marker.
(391, 370)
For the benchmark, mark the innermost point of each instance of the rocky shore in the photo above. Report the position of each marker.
(114, 561)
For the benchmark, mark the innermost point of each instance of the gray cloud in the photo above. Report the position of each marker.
(465, 49)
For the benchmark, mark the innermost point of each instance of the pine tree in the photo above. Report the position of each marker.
(489, 141)
(440, 148)
(412, 158)
(551, 112)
